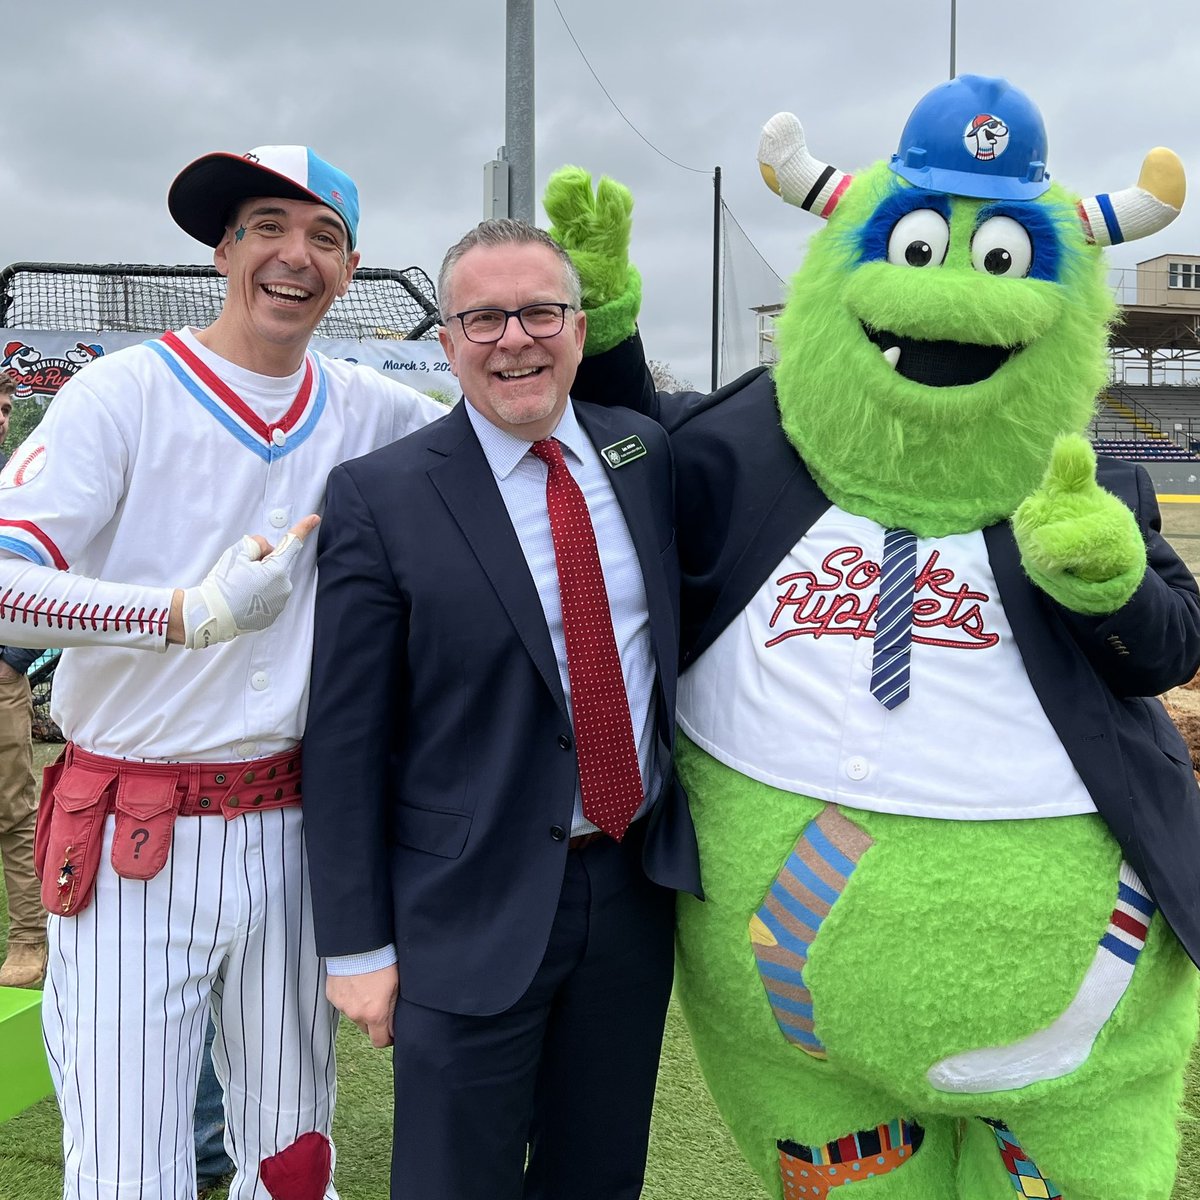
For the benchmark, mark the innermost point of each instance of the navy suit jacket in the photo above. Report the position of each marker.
(744, 498)
(439, 758)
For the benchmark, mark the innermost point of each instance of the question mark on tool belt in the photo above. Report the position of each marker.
(145, 837)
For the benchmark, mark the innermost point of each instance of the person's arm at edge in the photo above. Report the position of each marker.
(352, 712)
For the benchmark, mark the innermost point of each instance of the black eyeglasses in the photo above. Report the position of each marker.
(538, 320)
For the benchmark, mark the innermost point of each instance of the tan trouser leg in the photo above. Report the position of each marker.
(18, 810)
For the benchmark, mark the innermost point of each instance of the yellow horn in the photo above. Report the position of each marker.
(1162, 176)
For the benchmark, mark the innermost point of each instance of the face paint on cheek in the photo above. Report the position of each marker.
(239, 233)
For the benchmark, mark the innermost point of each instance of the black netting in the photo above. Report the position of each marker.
(126, 298)
(41, 676)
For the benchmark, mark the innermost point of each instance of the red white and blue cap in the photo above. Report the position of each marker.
(207, 191)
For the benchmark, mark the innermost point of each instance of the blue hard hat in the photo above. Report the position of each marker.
(975, 136)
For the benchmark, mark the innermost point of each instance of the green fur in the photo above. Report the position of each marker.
(899, 981)
(609, 324)
(1079, 543)
(595, 230)
(937, 460)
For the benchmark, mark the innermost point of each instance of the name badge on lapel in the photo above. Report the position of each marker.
(623, 452)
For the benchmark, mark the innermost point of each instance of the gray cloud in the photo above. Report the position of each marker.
(105, 105)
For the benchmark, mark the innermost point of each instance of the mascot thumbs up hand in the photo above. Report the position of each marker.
(1079, 543)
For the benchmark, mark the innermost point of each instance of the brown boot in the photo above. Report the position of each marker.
(24, 966)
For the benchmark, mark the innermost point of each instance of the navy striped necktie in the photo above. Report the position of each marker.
(893, 619)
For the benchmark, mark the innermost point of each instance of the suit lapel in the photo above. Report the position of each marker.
(631, 484)
(466, 484)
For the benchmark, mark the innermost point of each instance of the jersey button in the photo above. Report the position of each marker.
(857, 767)
(243, 750)
(278, 436)
(278, 518)
(259, 681)
(558, 833)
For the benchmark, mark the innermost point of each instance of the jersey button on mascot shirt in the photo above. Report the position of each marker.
(948, 847)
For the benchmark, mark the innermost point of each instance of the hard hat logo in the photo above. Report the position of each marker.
(986, 137)
(995, 123)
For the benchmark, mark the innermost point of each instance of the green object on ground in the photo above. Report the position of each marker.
(25, 1078)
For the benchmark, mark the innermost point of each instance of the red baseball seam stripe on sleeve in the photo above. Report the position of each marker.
(32, 609)
(43, 540)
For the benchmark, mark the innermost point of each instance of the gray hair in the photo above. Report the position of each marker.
(505, 231)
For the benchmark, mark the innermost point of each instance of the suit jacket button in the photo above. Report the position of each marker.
(558, 833)
(564, 741)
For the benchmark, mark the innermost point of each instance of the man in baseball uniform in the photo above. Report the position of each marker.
(169, 838)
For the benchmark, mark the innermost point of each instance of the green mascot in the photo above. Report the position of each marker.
(949, 844)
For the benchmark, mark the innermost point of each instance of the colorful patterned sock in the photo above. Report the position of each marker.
(1064, 1045)
(783, 928)
(1026, 1179)
(808, 1172)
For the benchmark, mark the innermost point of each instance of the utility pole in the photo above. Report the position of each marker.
(508, 179)
(716, 280)
(953, 34)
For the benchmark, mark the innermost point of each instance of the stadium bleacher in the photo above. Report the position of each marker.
(1143, 450)
(1148, 423)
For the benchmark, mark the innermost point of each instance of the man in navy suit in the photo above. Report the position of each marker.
(483, 898)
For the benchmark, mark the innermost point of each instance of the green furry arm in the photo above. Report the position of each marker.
(594, 230)
(1079, 543)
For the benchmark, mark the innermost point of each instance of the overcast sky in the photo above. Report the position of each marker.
(104, 104)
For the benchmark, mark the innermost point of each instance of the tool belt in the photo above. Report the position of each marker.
(80, 789)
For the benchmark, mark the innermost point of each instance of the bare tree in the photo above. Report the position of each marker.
(665, 380)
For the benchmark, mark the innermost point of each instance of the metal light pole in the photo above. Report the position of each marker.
(953, 34)
(716, 280)
(513, 171)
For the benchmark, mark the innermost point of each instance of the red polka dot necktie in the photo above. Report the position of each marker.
(610, 779)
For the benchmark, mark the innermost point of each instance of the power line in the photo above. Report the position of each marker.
(660, 153)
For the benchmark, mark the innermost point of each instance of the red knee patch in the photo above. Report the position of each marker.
(300, 1171)
(809, 1172)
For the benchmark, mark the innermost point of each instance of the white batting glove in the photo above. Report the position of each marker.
(243, 593)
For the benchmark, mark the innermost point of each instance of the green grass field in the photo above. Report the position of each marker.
(692, 1156)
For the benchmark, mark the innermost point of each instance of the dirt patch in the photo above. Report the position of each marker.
(1183, 703)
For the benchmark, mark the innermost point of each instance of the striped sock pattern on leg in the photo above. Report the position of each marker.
(809, 1172)
(1130, 921)
(1026, 1179)
(1064, 1045)
(800, 898)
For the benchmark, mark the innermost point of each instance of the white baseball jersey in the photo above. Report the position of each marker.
(783, 695)
(148, 465)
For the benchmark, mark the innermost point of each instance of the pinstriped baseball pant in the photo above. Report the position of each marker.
(225, 923)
